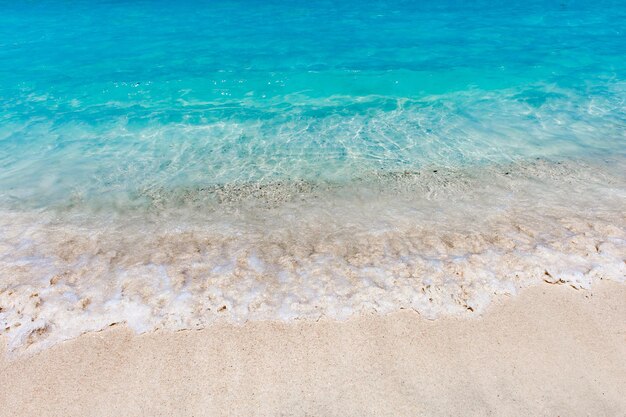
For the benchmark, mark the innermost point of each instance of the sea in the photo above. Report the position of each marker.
(174, 164)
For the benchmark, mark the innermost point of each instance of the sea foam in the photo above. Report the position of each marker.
(437, 241)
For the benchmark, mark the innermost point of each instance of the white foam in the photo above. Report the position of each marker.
(334, 253)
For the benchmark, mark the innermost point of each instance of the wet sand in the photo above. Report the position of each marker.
(551, 351)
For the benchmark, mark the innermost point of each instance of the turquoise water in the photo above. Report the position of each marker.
(169, 165)
(123, 96)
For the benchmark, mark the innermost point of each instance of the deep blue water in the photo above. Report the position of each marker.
(121, 96)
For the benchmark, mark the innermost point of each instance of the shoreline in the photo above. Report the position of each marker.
(550, 350)
(445, 250)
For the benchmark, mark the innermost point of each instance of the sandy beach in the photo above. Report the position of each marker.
(550, 351)
(272, 208)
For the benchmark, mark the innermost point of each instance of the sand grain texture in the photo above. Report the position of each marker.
(550, 351)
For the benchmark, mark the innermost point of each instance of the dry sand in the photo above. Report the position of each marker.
(551, 351)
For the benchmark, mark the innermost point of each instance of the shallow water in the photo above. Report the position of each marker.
(169, 165)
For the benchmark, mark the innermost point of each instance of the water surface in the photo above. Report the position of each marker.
(172, 164)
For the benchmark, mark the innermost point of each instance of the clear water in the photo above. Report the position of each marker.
(291, 159)
(119, 96)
